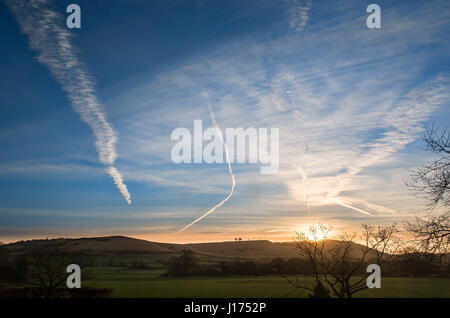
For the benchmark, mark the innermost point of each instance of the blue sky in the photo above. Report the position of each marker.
(351, 104)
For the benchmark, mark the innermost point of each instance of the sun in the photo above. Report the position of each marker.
(318, 236)
(316, 232)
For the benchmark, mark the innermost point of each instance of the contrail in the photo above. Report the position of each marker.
(118, 180)
(227, 156)
(406, 120)
(305, 185)
(48, 36)
(339, 202)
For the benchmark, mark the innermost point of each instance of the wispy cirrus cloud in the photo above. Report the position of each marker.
(299, 14)
(48, 36)
(355, 106)
(350, 104)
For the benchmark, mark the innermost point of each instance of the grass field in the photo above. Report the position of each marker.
(148, 283)
(133, 269)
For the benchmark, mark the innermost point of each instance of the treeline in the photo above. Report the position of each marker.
(406, 265)
(135, 264)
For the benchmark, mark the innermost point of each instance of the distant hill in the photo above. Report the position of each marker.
(258, 249)
(117, 244)
(96, 245)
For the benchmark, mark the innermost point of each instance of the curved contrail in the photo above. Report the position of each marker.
(48, 36)
(227, 156)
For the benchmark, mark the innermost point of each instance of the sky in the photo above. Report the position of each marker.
(86, 115)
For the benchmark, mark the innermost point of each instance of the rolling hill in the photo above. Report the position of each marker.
(257, 249)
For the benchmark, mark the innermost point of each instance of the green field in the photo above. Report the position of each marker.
(148, 283)
(133, 268)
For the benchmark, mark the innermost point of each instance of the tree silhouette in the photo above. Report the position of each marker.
(181, 265)
(340, 264)
(432, 181)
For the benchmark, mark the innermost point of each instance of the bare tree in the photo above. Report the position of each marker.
(432, 233)
(432, 181)
(44, 267)
(341, 264)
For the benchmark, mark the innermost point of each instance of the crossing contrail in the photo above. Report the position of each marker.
(230, 170)
(339, 202)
